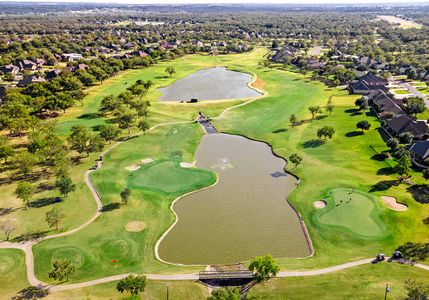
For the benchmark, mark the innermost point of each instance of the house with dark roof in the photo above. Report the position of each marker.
(420, 152)
(368, 83)
(52, 74)
(139, 53)
(27, 65)
(30, 80)
(80, 67)
(40, 62)
(403, 123)
(9, 69)
(385, 105)
(287, 51)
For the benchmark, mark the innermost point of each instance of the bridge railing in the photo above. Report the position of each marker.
(224, 274)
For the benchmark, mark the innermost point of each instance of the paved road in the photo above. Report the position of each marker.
(413, 90)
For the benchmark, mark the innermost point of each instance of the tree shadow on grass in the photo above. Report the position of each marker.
(379, 157)
(31, 292)
(320, 117)
(110, 207)
(7, 210)
(353, 133)
(386, 171)
(384, 185)
(280, 130)
(420, 193)
(90, 116)
(31, 236)
(45, 202)
(314, 143)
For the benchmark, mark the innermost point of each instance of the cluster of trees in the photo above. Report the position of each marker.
(128, 108)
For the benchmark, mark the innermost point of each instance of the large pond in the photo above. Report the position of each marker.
(244, 215)
(210, 84)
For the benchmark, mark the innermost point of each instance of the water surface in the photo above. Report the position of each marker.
(244, 215)
(210, 84)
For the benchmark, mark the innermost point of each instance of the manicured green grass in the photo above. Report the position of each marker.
(168, 177)
(352, 210)
(12, 273)
(401, 92)
(363, 282)
(177, 290)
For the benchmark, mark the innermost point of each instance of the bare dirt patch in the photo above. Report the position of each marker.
(319, 204)
(399, 22)
(135, 226)
(258, 83)
(392, 204)
(147, 160)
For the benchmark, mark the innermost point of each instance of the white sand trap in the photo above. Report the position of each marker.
(186, 165)
(319, 204)
(393, 204)
(135, 226)
(147, 160)
(133, 167)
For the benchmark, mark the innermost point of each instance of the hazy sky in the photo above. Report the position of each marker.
(236, 1)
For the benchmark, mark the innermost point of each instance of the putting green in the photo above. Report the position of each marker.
(352, 210)
(168, 177)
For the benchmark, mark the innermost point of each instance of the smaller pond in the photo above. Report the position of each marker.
(210, 84)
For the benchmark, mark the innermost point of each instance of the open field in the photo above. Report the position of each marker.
(348, 161)
(406, 24)
(12, 272)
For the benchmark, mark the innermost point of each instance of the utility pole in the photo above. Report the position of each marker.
(167, 291)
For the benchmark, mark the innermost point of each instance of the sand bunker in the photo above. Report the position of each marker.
(319, 204)
(147, 160)
(135, 226)
(393, 204)
(186, 165)
(133, 167)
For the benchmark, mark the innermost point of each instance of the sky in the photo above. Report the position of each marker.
(237, 1)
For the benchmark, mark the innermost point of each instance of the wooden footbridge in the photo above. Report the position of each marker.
(225, 275)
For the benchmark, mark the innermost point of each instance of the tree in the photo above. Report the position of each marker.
(295, 159)
(78, 138)
(7, 227)
(326, 131)
(393, 143)
(125, 117)
(293, 120)
(25, 192)
(426, 173)
(8, 77)
(65, 185)
(228, 293)
(406, 137)
(314, 110)
(143, 125)
(6, 150)
(132, 284)
(362, 103)
(54, 217)
(24, 162)
(170, 71)
(403, 167)
(264, 267)
(109, 132)
(125, 195)
(330, 108)
(363, 125)
(416, 290)
(62, 268)
(414, 105)
(109, 104)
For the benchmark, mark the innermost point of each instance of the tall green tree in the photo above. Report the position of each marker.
(363, 125)
(54, 217)
(6, 150)
(61, 269)
(403, 167)
(295, 159)
(228, 293)
(414, 105)
(264, 268)
(25, 191)
(326, 132)
(65, 185)
(132, 284)
(125, 195)
(314, 110)
(170, 71)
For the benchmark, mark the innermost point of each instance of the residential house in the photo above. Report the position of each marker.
(420, 152)
(30, 80)
(9, 69)
(139, 53)
(368, 83)
(40, 62)
(287, 51)
(403, 123)
(27, 65)
(80, 67)
(385, 105)
(72, 57)
(129, 45)
(52, 74)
